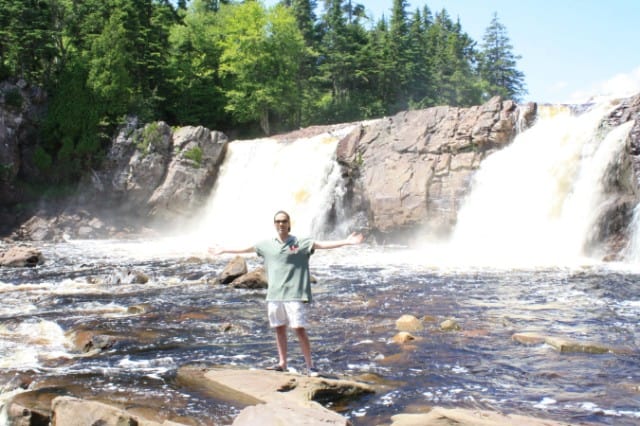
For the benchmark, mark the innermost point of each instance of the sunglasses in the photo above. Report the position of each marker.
(281, 221)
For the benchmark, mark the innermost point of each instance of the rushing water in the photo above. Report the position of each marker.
(515, 264)
(359, 295)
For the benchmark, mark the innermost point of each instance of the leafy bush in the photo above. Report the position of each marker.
(13, 98)
(42, 160)
(149, 137)
(194, 154)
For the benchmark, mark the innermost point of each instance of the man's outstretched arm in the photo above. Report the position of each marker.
(216, 250)
(351, 240)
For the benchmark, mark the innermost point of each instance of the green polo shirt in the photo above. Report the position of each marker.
(287, 267)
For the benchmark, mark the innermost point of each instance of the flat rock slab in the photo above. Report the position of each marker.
(439, 416)
(277, 398)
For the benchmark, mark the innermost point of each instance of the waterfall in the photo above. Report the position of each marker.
(632, 252)
(536, 201)
(262, 176)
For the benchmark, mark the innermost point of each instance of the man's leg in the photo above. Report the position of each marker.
(281, 342)
(305, 346)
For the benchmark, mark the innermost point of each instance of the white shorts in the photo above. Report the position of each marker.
(293, 314)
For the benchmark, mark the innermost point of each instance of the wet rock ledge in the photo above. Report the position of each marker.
(273, 398)
(265, 398)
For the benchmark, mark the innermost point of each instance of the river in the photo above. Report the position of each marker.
(516, 263)
(360, 293)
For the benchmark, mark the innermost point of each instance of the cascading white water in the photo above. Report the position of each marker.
(535, 201)
(260, 177)
(632, 252)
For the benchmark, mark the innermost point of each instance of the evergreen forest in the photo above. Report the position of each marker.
(230, 65)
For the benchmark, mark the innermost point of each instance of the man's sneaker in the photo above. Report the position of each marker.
(313, 372)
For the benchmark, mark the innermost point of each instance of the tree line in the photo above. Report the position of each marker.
(237, 65)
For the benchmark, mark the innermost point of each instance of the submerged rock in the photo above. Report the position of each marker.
(403, 337)
(450, 325)
(562, 344)
(409, 323)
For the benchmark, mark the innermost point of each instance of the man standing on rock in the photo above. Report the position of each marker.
(286, 260)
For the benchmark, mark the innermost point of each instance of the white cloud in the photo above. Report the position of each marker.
(619, 86)
(623, 85)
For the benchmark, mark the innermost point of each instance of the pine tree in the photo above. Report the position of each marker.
(418, 67)
(452, 54)
(399, 50)
(27, 39)
(497, 64)
(338, 66)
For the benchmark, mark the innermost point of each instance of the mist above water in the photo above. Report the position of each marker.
(532, 203)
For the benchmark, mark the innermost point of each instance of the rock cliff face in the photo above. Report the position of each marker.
(414, 168)
(154, 172)
(404, 173)
(622, 184)
(411, 171)
(20, 107)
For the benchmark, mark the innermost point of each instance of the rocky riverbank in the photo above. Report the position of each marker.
(269, 399)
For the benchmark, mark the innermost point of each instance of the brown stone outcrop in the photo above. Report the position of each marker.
(254, 279)
(197, 153)
(234, 269)
(69, 411)
(414, 168)
(272, 398)
(20, 256)
(622, 185)
(439, 416)
(155, 172)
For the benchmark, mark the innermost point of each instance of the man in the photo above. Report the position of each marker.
(286, 260)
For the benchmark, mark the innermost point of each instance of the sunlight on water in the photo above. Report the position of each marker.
(23, 343)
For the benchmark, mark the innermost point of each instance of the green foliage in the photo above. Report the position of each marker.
(13, 98)
(72, 132)
(194, 154)
(498, 64)
(45, 190)
(261, 55)
(28, 37)
(149, 137)
(42, 160)
(230, 64)
(194, 95)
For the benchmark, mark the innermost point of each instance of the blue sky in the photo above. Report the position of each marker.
(570, 50)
